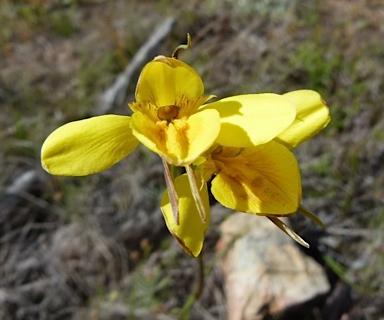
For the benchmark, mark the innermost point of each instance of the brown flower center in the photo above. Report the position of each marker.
(168, 113)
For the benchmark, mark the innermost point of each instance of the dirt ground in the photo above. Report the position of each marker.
(97, 247)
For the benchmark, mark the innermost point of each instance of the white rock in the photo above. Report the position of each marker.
(264, 268)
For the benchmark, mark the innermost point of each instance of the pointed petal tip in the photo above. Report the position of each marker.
(304, 211)
(288, 231)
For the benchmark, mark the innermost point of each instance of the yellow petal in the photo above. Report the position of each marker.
(167, 81)
(180, 141)
(264, 180)
(253, 119)
(190, 231)
(312, 116)
(88, 146)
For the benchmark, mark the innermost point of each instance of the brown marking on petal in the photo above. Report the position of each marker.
(257, 183)
(182, 244)
(323, 101)
(217, 151)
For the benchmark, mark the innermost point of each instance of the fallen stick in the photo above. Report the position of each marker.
(115, 94)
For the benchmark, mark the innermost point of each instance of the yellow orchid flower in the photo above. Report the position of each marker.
(170, 119)
(165, 118)
(262, 179)
(226, 138)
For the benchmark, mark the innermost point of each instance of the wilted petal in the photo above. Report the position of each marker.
(191, 229)
(264, 180)
(181, 141)
(304, 211)
(88, 146)
(312, 116)
(168, 81)
(288, 231)
(253, 119)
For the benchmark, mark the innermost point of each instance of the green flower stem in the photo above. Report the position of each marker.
(197, 290)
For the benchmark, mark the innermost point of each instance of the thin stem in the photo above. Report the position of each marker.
(197, 290)
(175, 53)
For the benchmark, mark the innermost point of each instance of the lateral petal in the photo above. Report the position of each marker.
(181, 141)
(168, 81)
(312, 116)
(191, 230)
(263, 180)
(253, 119)
(88, 146)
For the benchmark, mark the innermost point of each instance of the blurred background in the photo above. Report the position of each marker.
(97, 247)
